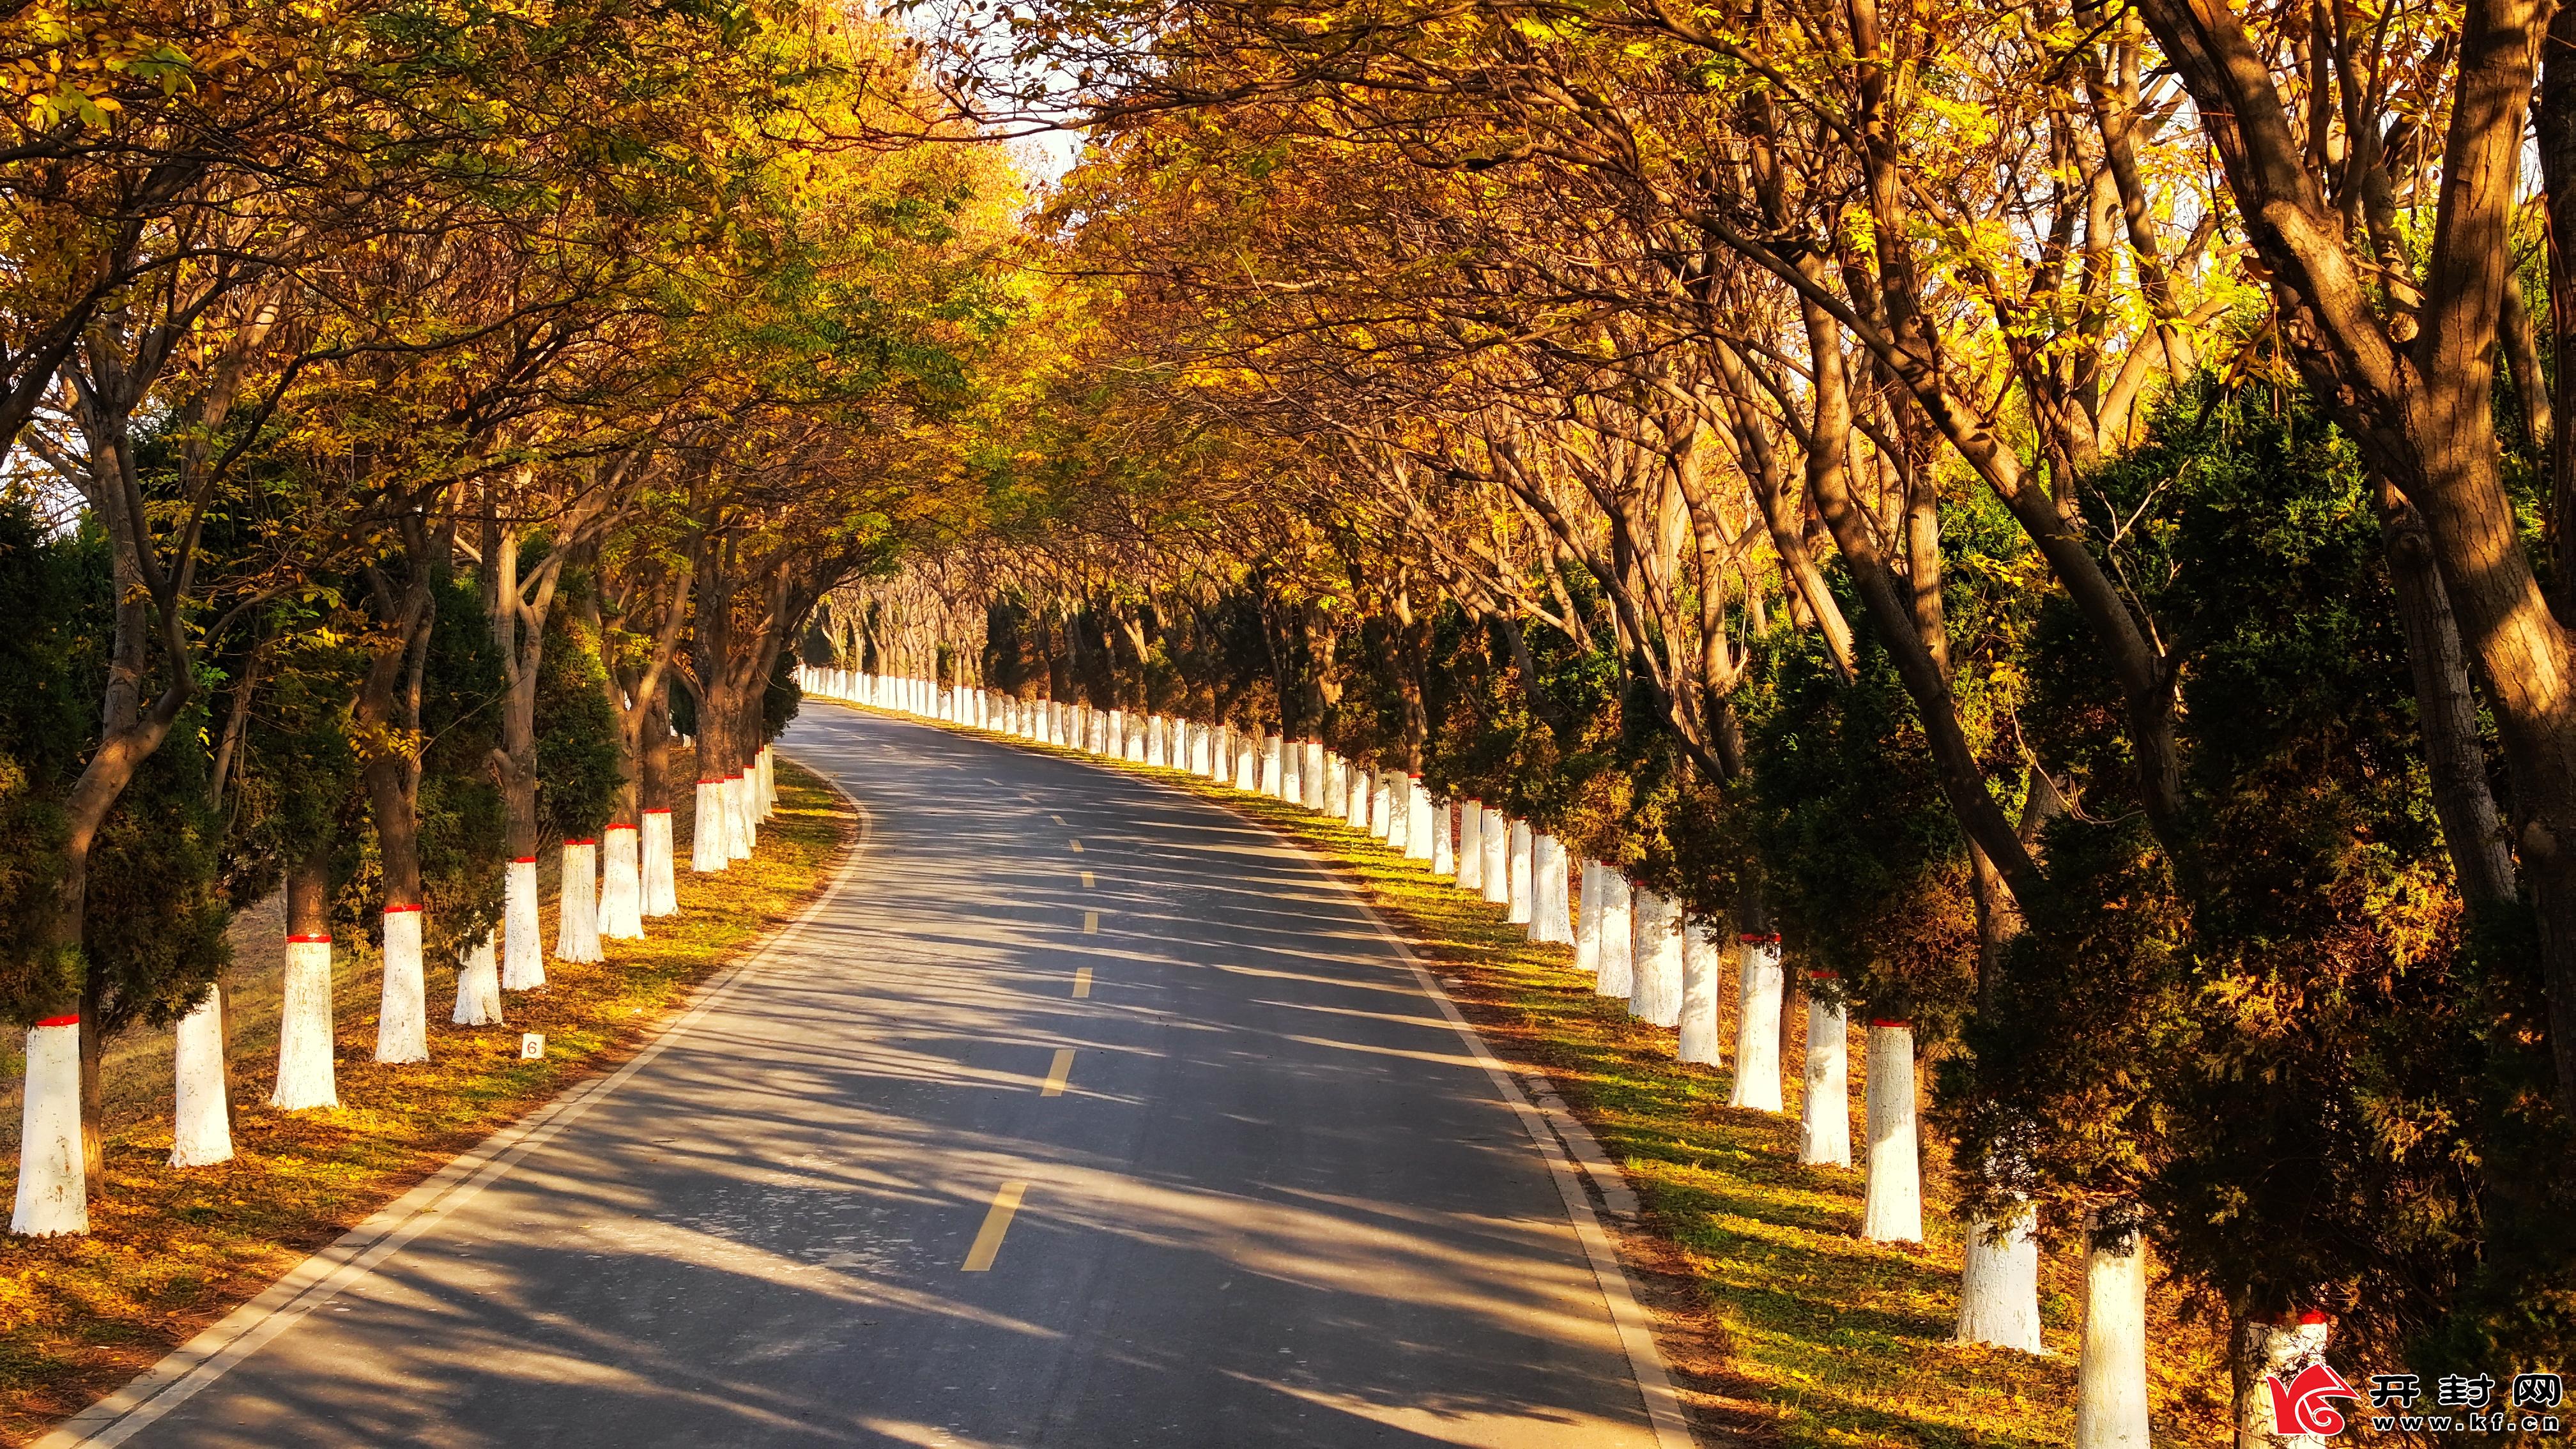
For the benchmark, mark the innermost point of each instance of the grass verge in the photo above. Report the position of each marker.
(171, 1251)
(1781, 1325)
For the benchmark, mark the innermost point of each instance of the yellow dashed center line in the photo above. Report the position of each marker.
(1081, 981)
(1057, 1074)
(1086, 880)
(1091, 923)
(1077, 847)
(997, 1221)
(1058, 819)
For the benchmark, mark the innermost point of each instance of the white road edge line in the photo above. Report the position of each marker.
(199, 1362)
(1636, 1332)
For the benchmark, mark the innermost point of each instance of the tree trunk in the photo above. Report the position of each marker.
(2447, 712)
(2554, 128)
(390, 710)
(306, 1069)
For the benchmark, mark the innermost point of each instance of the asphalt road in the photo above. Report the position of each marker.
(1263, 1195)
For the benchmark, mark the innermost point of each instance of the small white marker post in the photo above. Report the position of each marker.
(532, 1045)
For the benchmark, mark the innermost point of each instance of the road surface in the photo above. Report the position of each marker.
(1080, 1114)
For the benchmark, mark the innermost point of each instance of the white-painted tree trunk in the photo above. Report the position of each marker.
(1618, 937)
(1702, 961)
(2111, 1376)
(1381, 806)
(740, 836)
(661, 883)
(1399, 813)
(1893, 1210)
(1318, 774)
(706, 841)
(1292, 773)
(1495, 874)
(402, 1015)
(1337, 788)
(1824, 1116)
(1550, 920)
(478, 987)
(1757, 1025)
(2284, 1350)
(1587, 921)
(1247, 765)
(1516, 897)
(768, 784)
(1417, 820)
(1656, 949)
(1444, 850)
(1268, 781)
(1999, 1285)
(577, 903)
(621, 885)
(53, 1193)
(201, 1123)
(729, 820)
(523, 957)
(1471, 845)
(1356, 789)
(1154, 750)
(305, 1077)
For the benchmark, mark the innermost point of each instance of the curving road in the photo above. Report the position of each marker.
(1080, 1113)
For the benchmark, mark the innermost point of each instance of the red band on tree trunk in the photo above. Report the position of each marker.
(711, 782)
(400, 910)
(1896, 1025)
(657, 812)
(323, 940)
(525, 860)
(1771, 940)
(71, 1020)
(581, 842)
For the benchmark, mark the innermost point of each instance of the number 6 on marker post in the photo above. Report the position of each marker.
(532, 1045)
